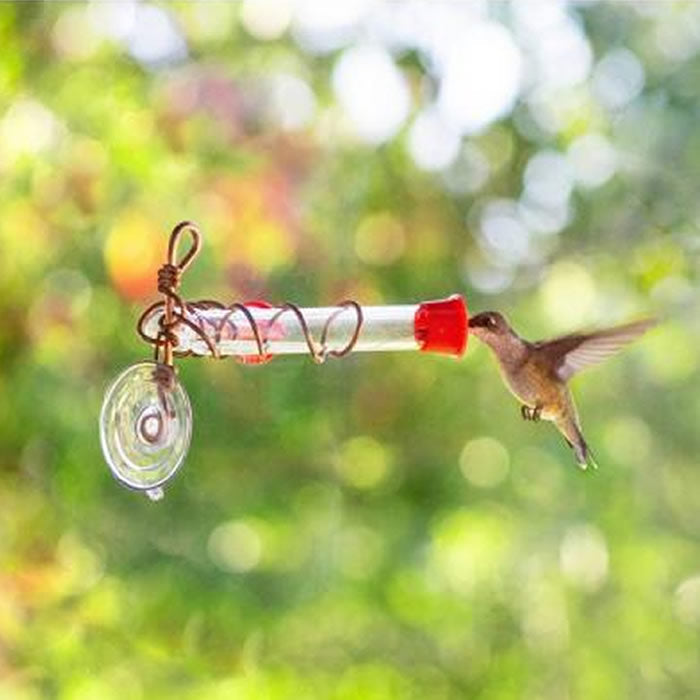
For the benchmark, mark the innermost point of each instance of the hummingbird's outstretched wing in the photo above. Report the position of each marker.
(572, 353)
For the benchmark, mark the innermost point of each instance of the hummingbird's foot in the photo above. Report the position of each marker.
(532, 414)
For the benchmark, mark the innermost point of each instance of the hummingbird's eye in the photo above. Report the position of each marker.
(490, 321)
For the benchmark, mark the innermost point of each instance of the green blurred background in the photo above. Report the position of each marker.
(383, 526)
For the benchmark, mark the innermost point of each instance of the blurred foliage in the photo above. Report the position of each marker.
(382, 526)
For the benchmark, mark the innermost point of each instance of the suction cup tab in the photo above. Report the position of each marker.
(145, 427)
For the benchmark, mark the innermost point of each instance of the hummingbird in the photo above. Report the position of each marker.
(537, 373)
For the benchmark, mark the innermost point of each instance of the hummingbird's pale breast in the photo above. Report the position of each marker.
(533, 385)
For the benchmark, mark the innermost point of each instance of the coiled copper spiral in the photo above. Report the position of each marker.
(176, 312)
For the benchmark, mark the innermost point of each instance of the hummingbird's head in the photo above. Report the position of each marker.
(489, 327)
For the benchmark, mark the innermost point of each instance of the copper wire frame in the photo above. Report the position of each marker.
(175, 310)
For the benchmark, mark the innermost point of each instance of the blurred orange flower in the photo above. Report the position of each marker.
(133, 253)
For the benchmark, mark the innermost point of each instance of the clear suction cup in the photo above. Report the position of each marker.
(145, 427)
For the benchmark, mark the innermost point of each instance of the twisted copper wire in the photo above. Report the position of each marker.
(168, 282)
(165, 342)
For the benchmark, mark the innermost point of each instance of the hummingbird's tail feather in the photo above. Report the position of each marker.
(591, 459)
(571, 431)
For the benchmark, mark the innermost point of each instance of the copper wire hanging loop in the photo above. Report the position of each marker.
(169, 276)
(175, 312)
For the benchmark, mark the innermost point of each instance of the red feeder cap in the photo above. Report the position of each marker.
(442, 326)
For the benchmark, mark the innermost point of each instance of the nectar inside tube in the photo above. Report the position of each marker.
(433, 326)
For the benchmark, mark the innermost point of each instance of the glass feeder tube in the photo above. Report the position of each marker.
(434, 326)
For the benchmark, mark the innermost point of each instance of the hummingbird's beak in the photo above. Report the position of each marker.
(478, 321)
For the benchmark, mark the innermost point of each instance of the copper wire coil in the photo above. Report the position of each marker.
(175, 312)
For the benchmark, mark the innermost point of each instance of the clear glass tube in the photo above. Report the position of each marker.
(383, 328)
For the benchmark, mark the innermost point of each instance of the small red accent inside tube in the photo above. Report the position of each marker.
(442, 326)
(255, 359)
